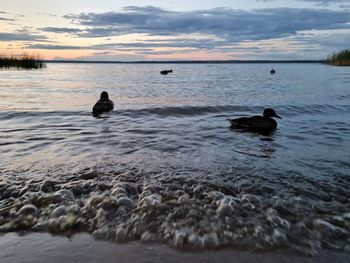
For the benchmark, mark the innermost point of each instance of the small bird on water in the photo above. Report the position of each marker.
(104, 104)
(165, 72)
(263, 124)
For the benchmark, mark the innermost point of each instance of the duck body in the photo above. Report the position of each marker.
(165, 72)
(254, 123)
(257, 123)
(104, 104)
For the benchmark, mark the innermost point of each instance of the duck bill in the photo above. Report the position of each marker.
(277, 116)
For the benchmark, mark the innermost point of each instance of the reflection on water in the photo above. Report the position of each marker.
(165, 166)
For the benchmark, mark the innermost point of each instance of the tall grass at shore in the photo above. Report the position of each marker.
(341, 58)
(24, 60)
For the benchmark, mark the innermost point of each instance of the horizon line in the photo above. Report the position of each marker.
(186, 61)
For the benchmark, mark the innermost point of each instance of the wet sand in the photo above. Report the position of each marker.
(42, 247)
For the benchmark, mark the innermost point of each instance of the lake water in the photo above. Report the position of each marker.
(164, 166)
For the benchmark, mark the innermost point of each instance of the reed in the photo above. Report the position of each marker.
(341, 58)
(24, 60)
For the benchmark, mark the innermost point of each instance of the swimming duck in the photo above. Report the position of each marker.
(104, 104)
(165, 72)
(272, 71)
(258, 123)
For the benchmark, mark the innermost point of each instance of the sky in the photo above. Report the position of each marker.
(139, 30)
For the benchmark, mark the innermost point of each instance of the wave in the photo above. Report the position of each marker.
(183, 111)
(315, 109)
(252, 211)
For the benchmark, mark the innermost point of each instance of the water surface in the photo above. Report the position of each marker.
(165, 166)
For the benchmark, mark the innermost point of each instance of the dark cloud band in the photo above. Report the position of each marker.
(233, 25)
(22, 37)
(60, 30)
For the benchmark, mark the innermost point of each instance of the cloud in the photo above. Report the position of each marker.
(218, 30)
(331, 39)
(112, 57)
(22, 36)
(233, 25)
(204, 43)
(319, 2)
(146, 45)
(326, 1)
(3, 18)
(56, 47)
(6, 19)
(60, 30)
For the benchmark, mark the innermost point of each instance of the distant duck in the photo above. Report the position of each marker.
(165, 72)
(104, 104)
(263, 124)
(272, 71)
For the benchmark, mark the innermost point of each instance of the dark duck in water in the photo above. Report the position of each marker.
(104, 104)
(165, 72)
(262, 124)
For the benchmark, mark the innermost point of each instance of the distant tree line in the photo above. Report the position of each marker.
(23, 60)
(341, 58)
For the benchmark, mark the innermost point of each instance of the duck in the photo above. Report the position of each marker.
(263, 124)
(165, 72)
(272, 71)
(104, 104)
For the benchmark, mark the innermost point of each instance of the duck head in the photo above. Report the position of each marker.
(104, 95)
(269, 113)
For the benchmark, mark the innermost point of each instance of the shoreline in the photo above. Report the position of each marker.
(43, 247)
